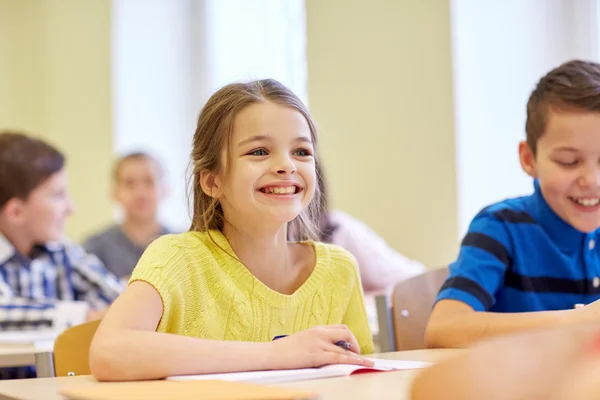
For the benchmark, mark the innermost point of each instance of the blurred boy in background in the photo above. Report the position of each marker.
(138, 189)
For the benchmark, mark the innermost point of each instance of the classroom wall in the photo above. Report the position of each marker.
(55, 82)
(155, 89)
(20, 56)
(380, 89)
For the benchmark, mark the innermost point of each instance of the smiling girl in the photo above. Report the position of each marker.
(213, 299)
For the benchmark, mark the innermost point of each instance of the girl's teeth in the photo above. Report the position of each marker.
(588, 202)
(281, 190)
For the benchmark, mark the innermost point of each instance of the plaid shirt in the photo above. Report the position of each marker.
(30, 288)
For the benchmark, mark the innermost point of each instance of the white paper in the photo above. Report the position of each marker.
(292, 375)
(275, 376)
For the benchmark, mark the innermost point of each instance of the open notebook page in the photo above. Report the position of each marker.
(291, 375)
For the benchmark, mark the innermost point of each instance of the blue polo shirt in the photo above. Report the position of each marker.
(518, 256)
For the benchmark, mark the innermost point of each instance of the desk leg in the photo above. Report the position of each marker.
(44, 364)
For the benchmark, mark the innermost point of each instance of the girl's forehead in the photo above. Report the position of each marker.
(269, 119)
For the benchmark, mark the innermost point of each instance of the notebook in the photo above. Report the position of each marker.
(205, 390)
(292, 375)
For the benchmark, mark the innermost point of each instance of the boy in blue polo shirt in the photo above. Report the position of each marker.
(539, 252)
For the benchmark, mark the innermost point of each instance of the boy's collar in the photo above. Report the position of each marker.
(7, 250)
(563, 234)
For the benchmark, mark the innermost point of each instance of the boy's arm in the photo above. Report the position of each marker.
(455, 324)
(92, 282)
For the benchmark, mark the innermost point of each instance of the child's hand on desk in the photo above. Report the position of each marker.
(316, 347)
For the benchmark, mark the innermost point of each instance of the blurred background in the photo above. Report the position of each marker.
(420, 104)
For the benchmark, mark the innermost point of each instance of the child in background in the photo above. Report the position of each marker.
(138, 189)
(214, 299)
(540, 252)
(44, 278)
(381, 267)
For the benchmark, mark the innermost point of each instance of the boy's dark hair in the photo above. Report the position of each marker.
(25, 162)
(572, 85)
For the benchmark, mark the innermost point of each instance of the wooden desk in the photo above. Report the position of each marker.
(32, 349)
(23, 355)
(17, 355)
(18, 349)
(379, 386)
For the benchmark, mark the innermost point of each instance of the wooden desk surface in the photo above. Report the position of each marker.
(380, 386)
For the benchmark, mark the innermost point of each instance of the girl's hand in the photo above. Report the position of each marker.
(315, 347)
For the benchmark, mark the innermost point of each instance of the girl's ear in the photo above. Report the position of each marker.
(210, 183)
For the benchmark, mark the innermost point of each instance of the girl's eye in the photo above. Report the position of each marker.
(302, 153)
(258, 152)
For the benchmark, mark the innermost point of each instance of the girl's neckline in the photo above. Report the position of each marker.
(257, 287)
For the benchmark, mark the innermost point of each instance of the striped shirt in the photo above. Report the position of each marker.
(31, 288)
(519, 255)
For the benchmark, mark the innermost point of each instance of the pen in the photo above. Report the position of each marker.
(341, 343)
